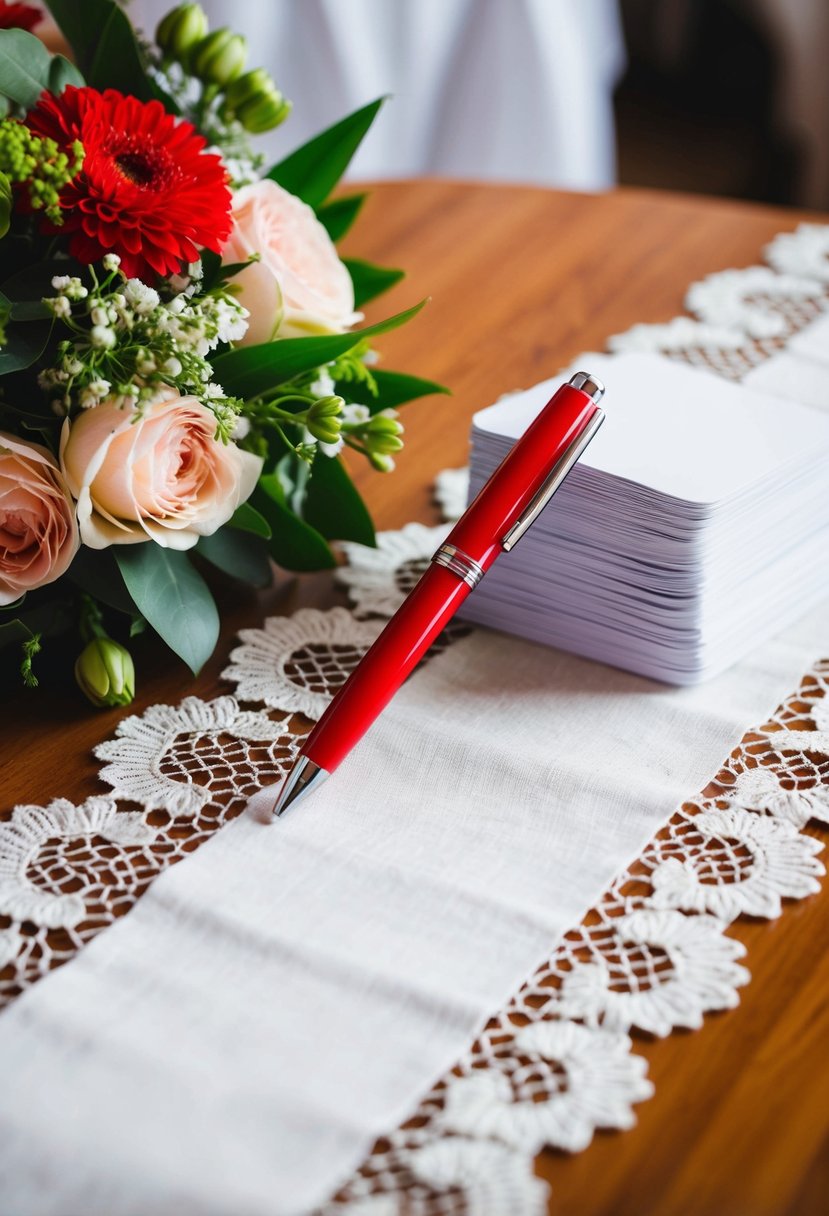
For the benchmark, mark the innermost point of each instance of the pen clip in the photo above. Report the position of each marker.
(554, 479)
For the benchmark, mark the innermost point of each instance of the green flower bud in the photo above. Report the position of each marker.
(384, 443)
(249, 87)
(220, 57)
(256, 102)
(382, 434)
(383, 464)
(264, 113)
(323, 419)
(105, 673)
(384, 424)
(180, 30)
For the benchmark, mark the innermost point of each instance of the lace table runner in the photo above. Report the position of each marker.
(556, 1063)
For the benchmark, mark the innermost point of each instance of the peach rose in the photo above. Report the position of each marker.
(300, 286)
(38, 532)
(155, 476)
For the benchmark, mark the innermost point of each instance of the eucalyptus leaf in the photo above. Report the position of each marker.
(13, 631)
(247, 519)
(294, 544)
(28, 310)
(62, 73)
(25, 289)
(370, 280)
(333, 506)
(50, 618)
(312, 171)
(35, 281)
(242, 555)
(23, 346)
(96, 572)
(138, 625)
(252, 370)
(24, 67)
(173, 597)
(337, 216)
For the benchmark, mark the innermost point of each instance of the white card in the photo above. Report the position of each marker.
(682, 432)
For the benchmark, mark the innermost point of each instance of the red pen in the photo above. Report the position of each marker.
(509, 502)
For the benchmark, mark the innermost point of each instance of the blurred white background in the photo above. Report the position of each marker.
(710, 96)
(518, 90)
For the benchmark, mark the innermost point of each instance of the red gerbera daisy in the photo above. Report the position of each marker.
(147, 191)
(18, 16)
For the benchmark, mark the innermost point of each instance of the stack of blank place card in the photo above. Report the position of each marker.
(695, 525)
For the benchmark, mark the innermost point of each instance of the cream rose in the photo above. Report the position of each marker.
(156, 476)
(38, 532)
(300, 286)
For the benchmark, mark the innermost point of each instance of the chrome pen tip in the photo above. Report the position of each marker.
(304, 777)
(589, 384)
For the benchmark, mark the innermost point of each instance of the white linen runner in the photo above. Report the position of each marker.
(235, 1044)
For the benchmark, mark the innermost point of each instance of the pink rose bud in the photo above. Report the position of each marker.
(299, 285)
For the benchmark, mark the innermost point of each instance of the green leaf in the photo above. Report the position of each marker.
(25, 289)
(62, 73)
(138, 625)
(29, 310)
(23, 346)
(96, 572)
(5, 204)
(312, 171)
(396, 388)
(214, 273)
(256, 369)
(247, 519)
(370, 280)
(294, 544)
(333, 505)
(173, 597)
(13, 631)
(50, 618)
(337, 216)
(106, 49)
(239, 554)
(24, 67)
(23, 310)
(35, 281)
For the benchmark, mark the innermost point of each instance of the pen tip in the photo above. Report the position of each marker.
(304, 777)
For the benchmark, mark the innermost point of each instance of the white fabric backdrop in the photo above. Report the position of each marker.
(517, 90)
(288, 993)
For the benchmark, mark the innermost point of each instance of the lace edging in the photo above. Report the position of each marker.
(653, 955)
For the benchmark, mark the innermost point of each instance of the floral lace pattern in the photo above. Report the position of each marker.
(67, 872)
(653, 956)
(558, 1062)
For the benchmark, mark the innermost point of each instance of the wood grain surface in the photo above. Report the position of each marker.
(521, 281)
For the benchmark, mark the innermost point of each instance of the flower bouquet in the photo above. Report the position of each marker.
(180, 349)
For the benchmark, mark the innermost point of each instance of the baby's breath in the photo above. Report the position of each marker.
(127, 343)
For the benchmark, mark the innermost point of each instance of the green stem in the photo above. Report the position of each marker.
(263, 398)
(92, 620)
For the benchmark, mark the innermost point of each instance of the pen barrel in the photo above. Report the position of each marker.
(389, 661)
(520, 475)
(469, 550)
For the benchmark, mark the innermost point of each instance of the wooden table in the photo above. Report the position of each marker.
(521, 281)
